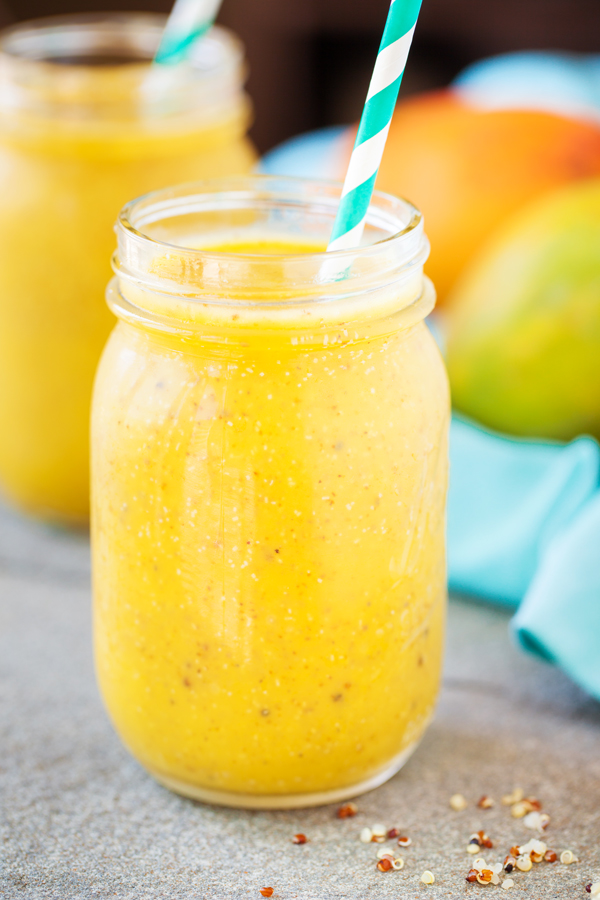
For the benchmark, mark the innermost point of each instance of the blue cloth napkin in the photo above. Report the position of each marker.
(508, 500)
(524, 530)
(523, 515)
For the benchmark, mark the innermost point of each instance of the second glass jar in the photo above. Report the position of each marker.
(85, 125)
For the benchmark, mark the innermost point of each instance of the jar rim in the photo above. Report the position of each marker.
(155, 203)
(165, 277)
(89, 69)
(51, 40)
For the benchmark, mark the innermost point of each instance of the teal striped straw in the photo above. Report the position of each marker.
(374, 124)
(189, 20)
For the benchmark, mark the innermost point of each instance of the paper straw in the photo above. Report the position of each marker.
(374, 124)
(189, 20)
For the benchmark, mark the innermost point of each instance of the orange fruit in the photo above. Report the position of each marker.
(469, 169)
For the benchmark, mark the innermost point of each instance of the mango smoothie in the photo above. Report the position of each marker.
(268, 505)
(80, 134)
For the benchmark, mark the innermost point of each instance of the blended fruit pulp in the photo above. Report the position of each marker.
(268, 532)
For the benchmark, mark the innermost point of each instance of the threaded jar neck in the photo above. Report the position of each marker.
(172, 271)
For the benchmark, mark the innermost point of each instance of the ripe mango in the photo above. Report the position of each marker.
(523, 323)
(468, 169)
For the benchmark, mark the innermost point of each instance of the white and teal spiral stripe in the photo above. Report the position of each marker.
(189, 20)
(374, 124)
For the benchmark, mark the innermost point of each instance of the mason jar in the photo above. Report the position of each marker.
(269, 464)
(86, 124)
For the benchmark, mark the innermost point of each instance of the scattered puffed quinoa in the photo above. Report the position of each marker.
(366, 835)
(509, 863)
(458, 802)
(478, 840)
(514, 797)
(404, 841)
(595, 889)
(385, 864)
(518, 810)
(567, 857)
(383, 852)
(550, 856)
(536, 820)
(484, 873)
(524, 863)
(535, 849)
(347, 811)
(428, 877)
(507, 883)
(398, 863)
(267, 892)
(378, 833)
(393, 833)
(533, 820)
(299, 839)
(485, 802)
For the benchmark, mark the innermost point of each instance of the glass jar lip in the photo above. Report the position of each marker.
(48, 41)
(90, 72)
(241, 186)
(161, 273)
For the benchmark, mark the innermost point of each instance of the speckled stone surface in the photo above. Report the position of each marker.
(79, 819)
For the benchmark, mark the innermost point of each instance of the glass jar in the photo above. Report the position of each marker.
(84, 126)
(269, 463)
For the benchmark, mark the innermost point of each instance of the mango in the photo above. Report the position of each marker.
(469, 169)
(523, 323)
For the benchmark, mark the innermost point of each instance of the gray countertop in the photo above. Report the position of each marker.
(80, 819)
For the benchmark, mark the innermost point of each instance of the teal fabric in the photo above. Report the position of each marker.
(508, 500)
(523, 515)
(524, 530)
(559, 618)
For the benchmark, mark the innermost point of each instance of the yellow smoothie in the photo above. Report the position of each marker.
(77, 141)
(268, 534)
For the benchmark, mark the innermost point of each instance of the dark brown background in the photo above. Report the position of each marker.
(310, 60)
